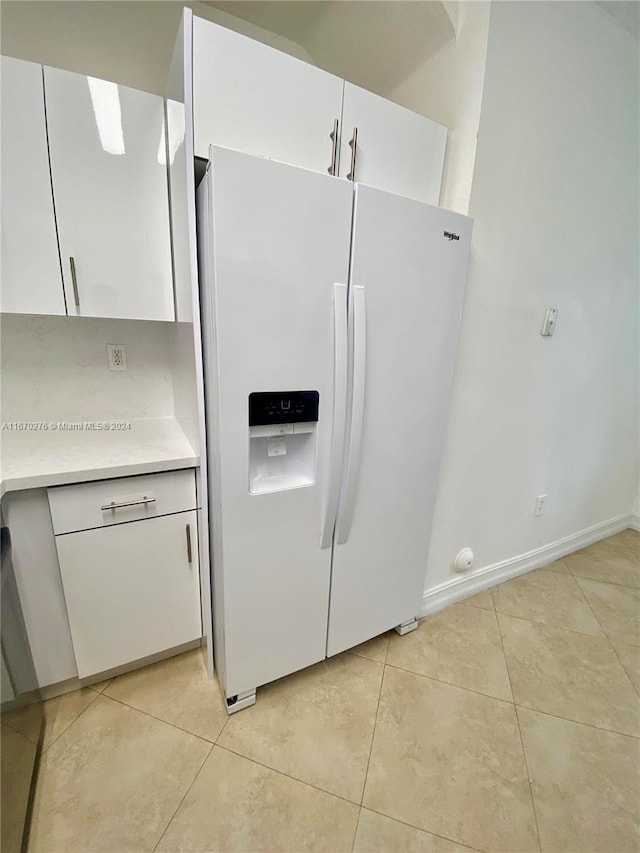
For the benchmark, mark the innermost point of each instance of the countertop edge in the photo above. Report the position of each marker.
(86, 475)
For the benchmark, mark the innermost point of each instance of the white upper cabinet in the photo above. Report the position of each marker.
(108, 164)
(258, 100)
(394, 149)
(253, 98)
(31, 280)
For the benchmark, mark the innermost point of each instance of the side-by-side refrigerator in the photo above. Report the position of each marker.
(330, 316)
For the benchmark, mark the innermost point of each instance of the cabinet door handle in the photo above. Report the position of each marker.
(353, 144)
(189, 554)
(114, 505)
(334, 150)
(74, 281)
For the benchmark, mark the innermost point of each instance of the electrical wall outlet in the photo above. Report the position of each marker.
(117, 357)
(540, 502)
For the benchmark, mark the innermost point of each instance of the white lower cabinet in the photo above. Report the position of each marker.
(35, 564)
(132, 588)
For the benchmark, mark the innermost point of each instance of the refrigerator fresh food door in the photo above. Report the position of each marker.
(407, 278)
(274, 265)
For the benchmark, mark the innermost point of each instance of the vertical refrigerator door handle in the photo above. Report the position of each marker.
(359, 320)
(339, 411)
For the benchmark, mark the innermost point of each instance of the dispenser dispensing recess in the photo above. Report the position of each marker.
(282, 440)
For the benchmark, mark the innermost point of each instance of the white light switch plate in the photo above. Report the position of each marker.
(539, 507)
(549, 323)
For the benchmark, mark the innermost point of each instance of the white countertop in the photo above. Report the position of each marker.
(34, 459)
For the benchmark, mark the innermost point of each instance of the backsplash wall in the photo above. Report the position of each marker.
(55, 369)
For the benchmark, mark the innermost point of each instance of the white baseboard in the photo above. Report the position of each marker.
(51, 691)
(461, 587)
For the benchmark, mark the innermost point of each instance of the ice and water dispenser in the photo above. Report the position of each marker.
(282, 440)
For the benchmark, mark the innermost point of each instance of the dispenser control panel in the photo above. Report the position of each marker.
(282, 407)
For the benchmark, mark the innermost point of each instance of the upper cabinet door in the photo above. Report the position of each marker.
(394, 149)
(253, 98)
(108, 164)
(31, 281)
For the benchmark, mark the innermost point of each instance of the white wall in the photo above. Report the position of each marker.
(130, 42)
(447, 87)
(55, 368)
(555, 206)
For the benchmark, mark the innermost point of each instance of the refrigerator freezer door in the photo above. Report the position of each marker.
(277, 245)
(411, 260)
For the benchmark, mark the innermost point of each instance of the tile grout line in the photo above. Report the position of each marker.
(615, 651)
(524, 752)
(22, 734)
(386, 652)
(287, 775)
(504, 655)
(602, 636)
(355, 831)
(107, 682)
(215, 743)
(529, 780)
(577, 577)
(46, 749)
(577, 722)
(608, 639)
(497, 613)
(630, 552)
(373, 733)
(160, 720)
(389, 817)
(548, 624)
(170, 821)
(426, 831)
(452, 684)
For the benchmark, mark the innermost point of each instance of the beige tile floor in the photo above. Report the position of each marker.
(509, 722)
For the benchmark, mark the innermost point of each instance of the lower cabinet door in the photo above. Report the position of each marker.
(131, 589)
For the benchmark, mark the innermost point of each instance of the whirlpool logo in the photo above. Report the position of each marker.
(451, 236)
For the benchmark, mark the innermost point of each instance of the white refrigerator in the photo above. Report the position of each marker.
(330, 315)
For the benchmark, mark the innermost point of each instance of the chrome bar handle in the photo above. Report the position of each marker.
(189, 554)
(334, 150)
(113, 505)
(74, 281)
(353, 144)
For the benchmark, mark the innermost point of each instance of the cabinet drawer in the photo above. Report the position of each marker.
(106, 502)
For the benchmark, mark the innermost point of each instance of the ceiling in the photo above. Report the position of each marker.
(626, 12)
(373, 43)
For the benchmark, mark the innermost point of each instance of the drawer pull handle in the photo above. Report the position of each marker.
(334, 148)
(74, 282)
(113, 505)
(189, 554)
(353, 145)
